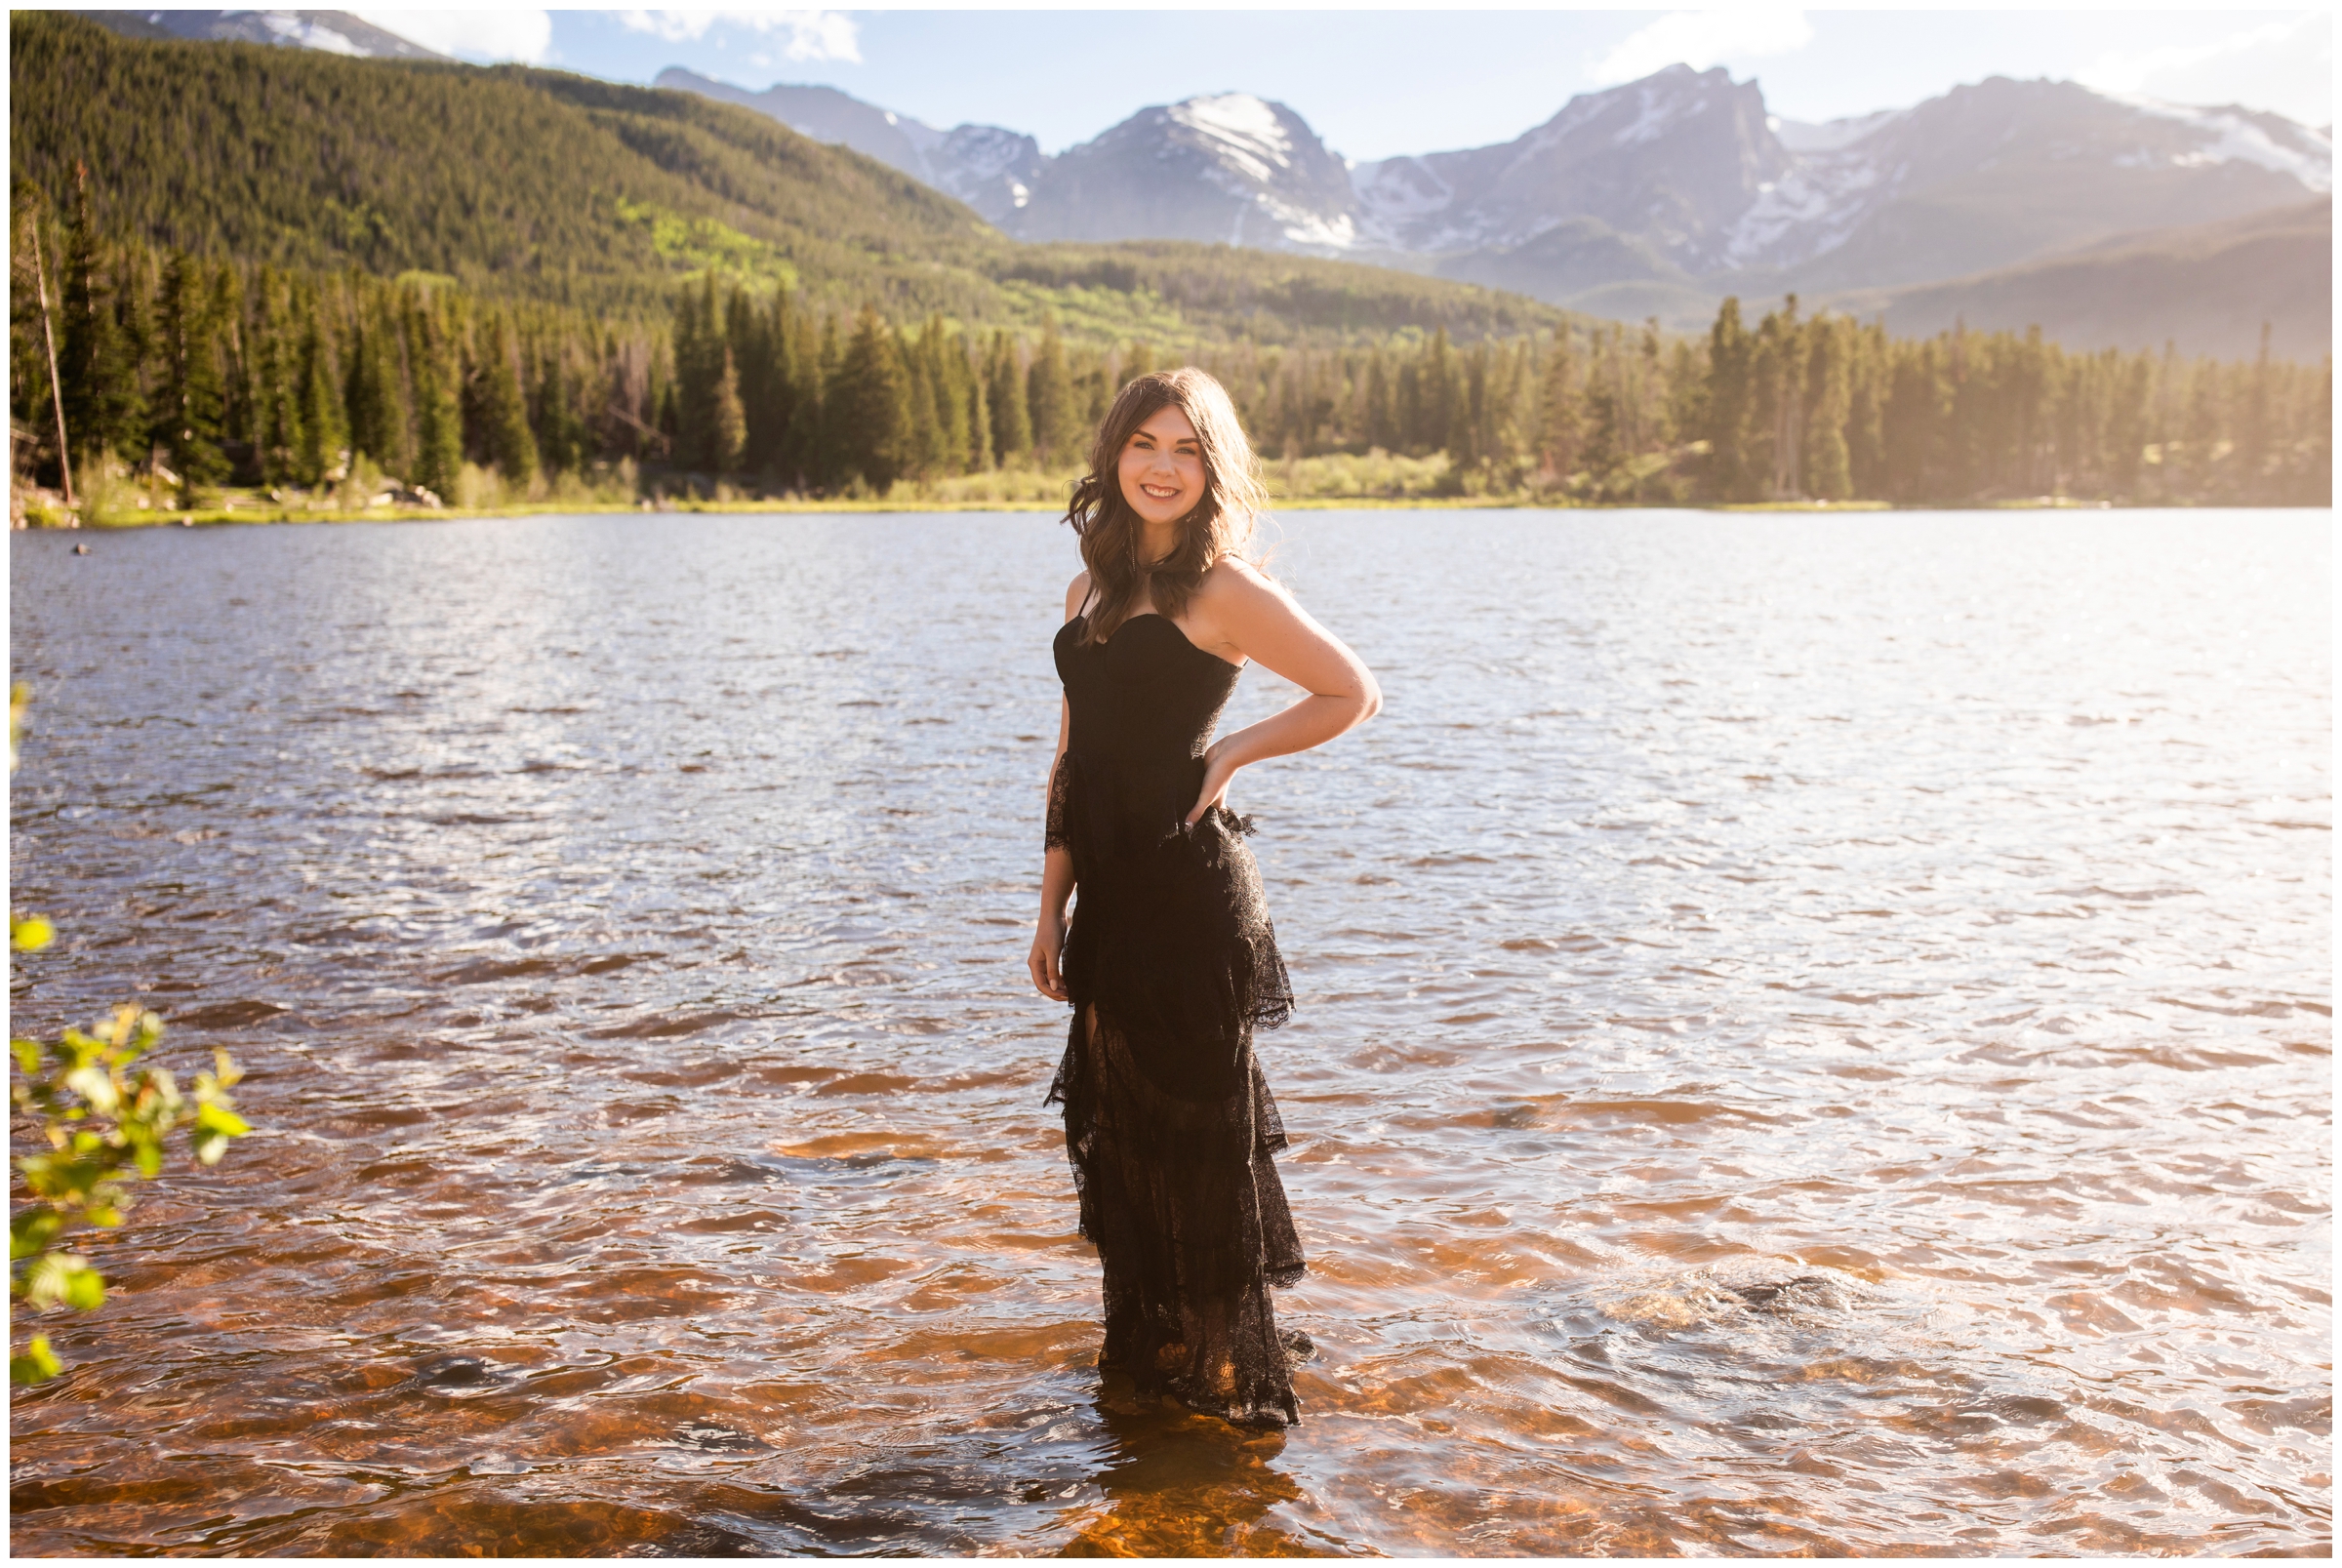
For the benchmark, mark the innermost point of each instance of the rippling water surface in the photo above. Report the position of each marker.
(1814, 1037)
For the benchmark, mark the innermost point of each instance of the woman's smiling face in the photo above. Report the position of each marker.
(1161, 467)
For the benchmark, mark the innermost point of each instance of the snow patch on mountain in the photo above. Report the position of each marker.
(1298, 226)
(294, 29)
(2239, 135)
(1241, 132)
(1807, 212)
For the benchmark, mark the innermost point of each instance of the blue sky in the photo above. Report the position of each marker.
(1374, 82)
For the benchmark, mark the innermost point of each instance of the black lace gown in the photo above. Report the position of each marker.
(1172, 965)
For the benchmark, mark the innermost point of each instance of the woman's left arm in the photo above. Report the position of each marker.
(1259, 619)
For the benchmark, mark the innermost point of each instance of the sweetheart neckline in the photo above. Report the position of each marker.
(1158, 614)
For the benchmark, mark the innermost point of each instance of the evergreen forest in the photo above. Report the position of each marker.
(339, 282)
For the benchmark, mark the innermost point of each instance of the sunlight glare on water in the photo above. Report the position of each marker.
(1813, 1036)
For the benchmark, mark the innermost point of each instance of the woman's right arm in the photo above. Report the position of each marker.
(1057, 888)
(1057, 861)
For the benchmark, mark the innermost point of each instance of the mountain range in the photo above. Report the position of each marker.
(2107, 219)
(1660, 196)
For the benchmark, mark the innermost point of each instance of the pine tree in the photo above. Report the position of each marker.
(1868, 371)
(191, 394)
(2203, 422)
(1604, 448)
(1829, 402)
(980, 407)
(96, 369)
(560, 436)
(1561, 414)
(768, 384)
(1516, 427)
(728, 420)
(504, 411)
(438, 407)
(1407, 402)
(1729, 392)
(923, 444)
(1777, 405)
(378, 414)
(699, 366)
(1012, 420)
(2253, 435)
(1441, 398)
(317, 396)
(809, 452)
(822, 444)
(1091, 391)
(868, 404)
(237, 409)
(1379, 421)
(1049, 399)
(275, 390)
(133, 322)
(1471, 441)
(946, 370)
(743, 342)
(1912, 425)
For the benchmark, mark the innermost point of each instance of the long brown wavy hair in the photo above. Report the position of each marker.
(1113, 536)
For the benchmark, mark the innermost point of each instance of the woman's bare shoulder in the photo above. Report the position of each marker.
(1233, 580)
(1075, 592)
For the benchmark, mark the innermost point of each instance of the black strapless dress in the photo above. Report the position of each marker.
(1172, 965)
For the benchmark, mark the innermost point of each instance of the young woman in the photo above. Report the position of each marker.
(1169, 962)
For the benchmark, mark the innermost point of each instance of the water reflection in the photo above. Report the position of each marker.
(1181, 1485)
(1815, 1038)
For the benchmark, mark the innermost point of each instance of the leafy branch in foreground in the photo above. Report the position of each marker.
(104, 1120)
(27, 933)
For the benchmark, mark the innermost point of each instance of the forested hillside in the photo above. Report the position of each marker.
(531, 185)
(293, 274)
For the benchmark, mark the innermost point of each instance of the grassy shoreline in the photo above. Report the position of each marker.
(202, 517)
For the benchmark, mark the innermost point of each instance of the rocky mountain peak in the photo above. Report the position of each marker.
(1672, 158)
(991, 168)
(1226, 167)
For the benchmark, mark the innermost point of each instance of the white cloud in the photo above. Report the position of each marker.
(812, 35)
(2257, 66)
(1701, 39)
(2131, 74)
(491, 33)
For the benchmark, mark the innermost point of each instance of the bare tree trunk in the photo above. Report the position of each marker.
(56, 396)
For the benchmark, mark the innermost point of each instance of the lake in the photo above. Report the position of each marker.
(1814, 1036)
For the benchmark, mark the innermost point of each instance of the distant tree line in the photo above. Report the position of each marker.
(259, 377)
